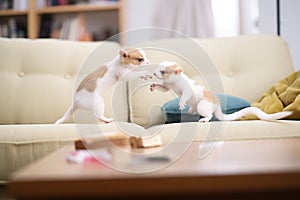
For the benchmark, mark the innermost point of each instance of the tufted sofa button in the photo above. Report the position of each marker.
(67, 76)
(230, 74)
(21, 74)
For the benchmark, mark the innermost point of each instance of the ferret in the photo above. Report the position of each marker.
(88, 95)
(200, 99)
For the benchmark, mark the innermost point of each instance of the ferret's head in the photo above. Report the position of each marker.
(167, 71)
(133, 57)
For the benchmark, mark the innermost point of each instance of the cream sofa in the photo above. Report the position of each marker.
(38, 77)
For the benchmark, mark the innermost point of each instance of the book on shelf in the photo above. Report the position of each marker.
(20, 5)
(13, 4)
(45, 3)
(45, 27)
(73, 28)
(13, 28)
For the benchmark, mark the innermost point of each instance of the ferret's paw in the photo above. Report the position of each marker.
(152, 87)
(146, 76)
(109, 120)
(181, 106)
(105, 119)
(204, 120)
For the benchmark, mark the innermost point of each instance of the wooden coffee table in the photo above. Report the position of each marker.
(249, 168)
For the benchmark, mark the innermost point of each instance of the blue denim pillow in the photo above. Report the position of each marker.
(229, 104)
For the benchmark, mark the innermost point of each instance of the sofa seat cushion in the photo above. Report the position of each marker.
(23, 144)
(232, 130)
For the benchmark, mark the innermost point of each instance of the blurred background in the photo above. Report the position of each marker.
(96, 20)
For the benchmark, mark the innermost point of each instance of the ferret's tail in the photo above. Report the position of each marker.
(251, 110)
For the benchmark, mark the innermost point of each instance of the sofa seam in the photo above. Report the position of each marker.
(128, 102)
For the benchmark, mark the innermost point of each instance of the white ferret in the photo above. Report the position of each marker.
(88, 95)
(199, 98)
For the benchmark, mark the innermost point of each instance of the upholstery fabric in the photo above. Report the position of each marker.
(244, 66)
(32, 72)
(283, 96)
(38, 78)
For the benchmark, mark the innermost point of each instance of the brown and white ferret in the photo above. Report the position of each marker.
(88, 95)
(199, 98)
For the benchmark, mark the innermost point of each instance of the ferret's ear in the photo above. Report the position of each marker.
(178, 70)
(123, 53)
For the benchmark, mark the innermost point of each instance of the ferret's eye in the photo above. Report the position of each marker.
(140, 59)
(162, 72)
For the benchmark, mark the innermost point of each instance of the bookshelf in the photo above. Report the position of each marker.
(34, 15)
(11, 12)
(78, 8)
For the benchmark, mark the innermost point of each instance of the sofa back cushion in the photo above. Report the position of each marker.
(243, 66)
(38, 77)
(145, 106)
(249, 65)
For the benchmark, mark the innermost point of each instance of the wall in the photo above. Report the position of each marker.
(289, 25)
(290, 29)
(268, 17)
(140, 13)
